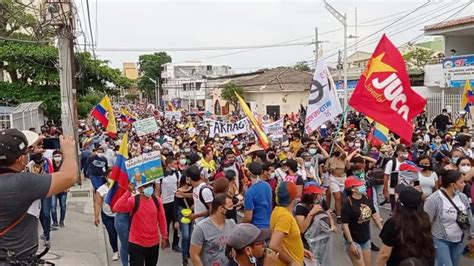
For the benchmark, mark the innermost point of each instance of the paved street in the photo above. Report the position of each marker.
(82, 243)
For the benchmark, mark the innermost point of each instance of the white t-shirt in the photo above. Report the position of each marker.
(103, 190)
(427, 184)
(169, 185)
(110, 155)
(198, 205)
(448, 218)
(388, 171)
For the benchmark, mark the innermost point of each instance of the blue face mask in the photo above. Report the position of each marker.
(148, 191)
(362, 189)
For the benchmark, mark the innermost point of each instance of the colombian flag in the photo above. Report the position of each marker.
(467, 96)
(262, 137)
(171, 106)
(118, 175)
(104, 112)
(379, 134)
(126, 116)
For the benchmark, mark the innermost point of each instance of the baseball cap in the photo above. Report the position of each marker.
(353, 181)
(255, 168)
(410, 197)
(285, 193)
(313, 188)
(246, 234)
(13, 143)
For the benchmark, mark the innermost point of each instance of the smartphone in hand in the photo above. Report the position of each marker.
(51, 144)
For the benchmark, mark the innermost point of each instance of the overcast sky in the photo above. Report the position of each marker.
(186, 24)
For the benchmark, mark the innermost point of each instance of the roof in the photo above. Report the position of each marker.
(6, 109)
(450, 23)
(27, 106)
(278, 79)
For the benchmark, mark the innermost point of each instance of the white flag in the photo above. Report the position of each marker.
(323, 104)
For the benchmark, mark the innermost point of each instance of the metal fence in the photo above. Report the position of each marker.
(435, 103)
(28, 115)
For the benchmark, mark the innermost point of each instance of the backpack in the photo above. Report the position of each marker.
(137, 204)
(201, 198)
(393, 174)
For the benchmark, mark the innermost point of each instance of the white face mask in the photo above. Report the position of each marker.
(464, 169)
(100, 154)
(357, 145)
(182, 161)
(57, 158)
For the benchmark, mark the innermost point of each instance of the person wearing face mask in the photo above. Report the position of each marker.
(427, 177)
(182, 162)
(464, 142)
(464, 167)
(166, 189)
(268, 175)
(308, 169)
(391, 174)
(61, 197)
(437, 146)
(356, 213)
(210, 236)
(97, 167)
(246, 245)
(257, 199)
(445, 207)
(337, 167)
(184, 200)
(147, 224)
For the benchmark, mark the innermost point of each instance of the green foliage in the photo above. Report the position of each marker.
(131, 97)
(302, 66)
(417, 57)
(87, 102)
(228, 93)
(150, 68)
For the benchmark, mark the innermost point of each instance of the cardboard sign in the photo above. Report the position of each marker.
(227, 129)
(173, 115)
(146, 126)
(144, 169)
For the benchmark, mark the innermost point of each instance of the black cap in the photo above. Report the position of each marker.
(410, 197)
(14, 143)
(255, 168)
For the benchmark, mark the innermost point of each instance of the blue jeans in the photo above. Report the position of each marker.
(62, 205)
(186, 231)
(121, 222)
(110, 227)
(97, 181)
(45, 217)
(448, 253)
(85, 154)
(376, 190)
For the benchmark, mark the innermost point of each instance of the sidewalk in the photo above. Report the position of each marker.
(80, 242)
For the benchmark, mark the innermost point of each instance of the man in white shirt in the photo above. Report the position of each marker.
(391, 173)
(202, 194)
(167, 187)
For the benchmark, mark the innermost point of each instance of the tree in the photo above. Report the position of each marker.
(417, 57)
(228, 93)
(302, 66)
(149, 66)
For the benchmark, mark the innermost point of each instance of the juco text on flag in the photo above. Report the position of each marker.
(104, 112)
(262, 137)
(118, 175)
(323, 104)
(384, 92)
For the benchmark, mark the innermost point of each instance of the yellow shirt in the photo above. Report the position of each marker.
(296, 146)
(282, 220)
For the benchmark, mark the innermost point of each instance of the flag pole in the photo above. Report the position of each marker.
(341, 123)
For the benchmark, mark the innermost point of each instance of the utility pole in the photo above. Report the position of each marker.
(62, 17)
(157, 92)
(356, 39)
(343, 20)
(316, 45)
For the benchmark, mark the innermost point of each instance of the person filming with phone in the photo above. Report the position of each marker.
(19, 189)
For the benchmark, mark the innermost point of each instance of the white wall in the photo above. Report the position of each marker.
(434, 76)
(462, 44)
(262, 99)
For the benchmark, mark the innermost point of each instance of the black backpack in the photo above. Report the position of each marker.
(393, 174)
(201, 198)
(137, 204)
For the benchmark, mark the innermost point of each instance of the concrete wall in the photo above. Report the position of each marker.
(263, 99)
(462, 44)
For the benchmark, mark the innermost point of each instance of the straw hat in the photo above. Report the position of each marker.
(254, 148)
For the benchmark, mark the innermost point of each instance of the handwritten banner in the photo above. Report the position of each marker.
(173, 115)
(227, 129)
(146, 126)
(274, 129)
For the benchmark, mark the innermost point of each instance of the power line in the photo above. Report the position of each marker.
(90, 27)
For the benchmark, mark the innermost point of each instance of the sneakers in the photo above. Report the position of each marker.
(54, 226)
(373, 247)
(61, 224)
(115, 257)
(185, 261)
(47, 244)
(176, 249)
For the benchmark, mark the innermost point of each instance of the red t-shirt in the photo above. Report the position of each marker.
(146, 220)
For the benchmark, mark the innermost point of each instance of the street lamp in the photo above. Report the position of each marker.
(157, 90)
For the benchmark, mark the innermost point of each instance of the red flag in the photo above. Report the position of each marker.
(384, 92)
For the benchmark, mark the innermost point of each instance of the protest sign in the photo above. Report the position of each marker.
(146, 126)
(274, 129)
(227, 129)
(144, 169)
(173, 115)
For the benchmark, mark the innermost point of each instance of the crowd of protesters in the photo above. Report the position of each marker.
(227, 200)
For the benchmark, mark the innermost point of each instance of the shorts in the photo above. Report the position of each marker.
(360, 246)
(336, 184)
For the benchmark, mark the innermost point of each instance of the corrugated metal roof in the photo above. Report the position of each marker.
(6, 109)
(27, 106)
(450, 23)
